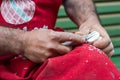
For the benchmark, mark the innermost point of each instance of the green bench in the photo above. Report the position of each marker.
(109, 13)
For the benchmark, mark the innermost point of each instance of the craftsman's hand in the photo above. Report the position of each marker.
(104, 43)
(38, 45)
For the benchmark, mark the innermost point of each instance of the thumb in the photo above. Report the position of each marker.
(101, 43)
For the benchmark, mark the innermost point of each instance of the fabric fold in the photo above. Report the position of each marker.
(85, 62)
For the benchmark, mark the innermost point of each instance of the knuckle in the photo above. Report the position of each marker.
(71, 36)
(50, 46)
(101, 46)
(53, 35)
(105, 43)
(48, 55)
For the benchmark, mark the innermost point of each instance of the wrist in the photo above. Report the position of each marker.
(10, 40)
(19, 41)
(91, 21)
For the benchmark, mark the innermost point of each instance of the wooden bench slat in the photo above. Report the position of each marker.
(110, 20)
(113, 31)
(108, 9)
(117, 51)
(116, 42)
(68, 24)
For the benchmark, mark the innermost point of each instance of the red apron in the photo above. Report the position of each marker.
(85, 62)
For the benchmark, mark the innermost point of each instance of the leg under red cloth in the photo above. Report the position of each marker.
(83, 63)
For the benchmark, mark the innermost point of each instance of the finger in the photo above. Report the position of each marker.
(66, 36)
(58, 48)
(62, 49)
(101, 43)
(109, 49)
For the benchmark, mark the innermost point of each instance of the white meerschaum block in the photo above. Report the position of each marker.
(93, 36)
(89, 38)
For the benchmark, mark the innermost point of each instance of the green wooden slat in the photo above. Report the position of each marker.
(113, 31)
(117, 51)
(116, 61)
(110, 20)
(116, 42)
(61, 13)
(108, 9)
(100, 9)
(68, 24)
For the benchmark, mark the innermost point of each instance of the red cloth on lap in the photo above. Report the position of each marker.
(83, 63)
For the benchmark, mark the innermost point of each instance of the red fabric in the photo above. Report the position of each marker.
(83, 63)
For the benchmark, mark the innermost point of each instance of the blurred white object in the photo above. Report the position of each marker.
(93, 36)
(89, 38)
(67, 43)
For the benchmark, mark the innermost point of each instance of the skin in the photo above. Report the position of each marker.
(38, 45)
(83, 13)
